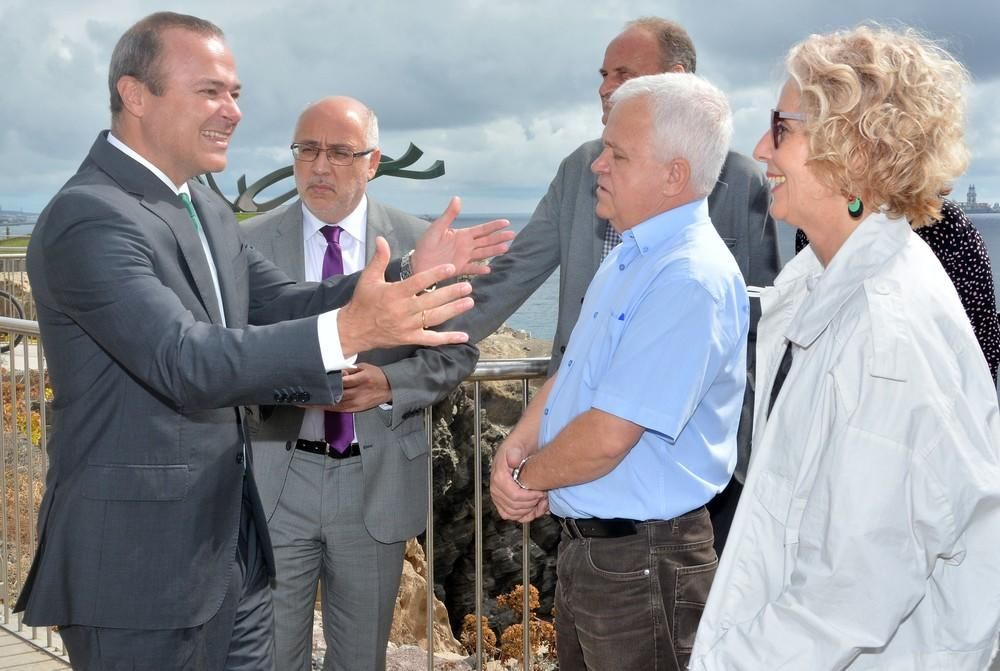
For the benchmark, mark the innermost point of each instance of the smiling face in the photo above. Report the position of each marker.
(632, 54)
(630, 179)
(797, 195)
(331, 192)
(185, 131)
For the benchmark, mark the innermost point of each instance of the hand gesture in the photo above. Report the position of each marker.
(381, 314)
(364, 387)
(463, 248)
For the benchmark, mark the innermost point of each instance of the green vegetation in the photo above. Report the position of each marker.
(15, 241)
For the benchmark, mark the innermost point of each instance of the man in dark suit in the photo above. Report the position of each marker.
(341, 517)
(159, 323)
(565, 232)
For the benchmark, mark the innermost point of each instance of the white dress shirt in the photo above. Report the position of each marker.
(352, 245)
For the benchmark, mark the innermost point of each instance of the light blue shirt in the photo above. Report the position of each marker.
(661, 342)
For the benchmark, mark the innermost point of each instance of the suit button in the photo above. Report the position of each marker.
(304, 397)
(562, 349)
(239, 458)
(288, 446)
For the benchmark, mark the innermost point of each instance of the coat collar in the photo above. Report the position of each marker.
(876, 240)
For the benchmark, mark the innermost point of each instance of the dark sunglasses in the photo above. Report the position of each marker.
(777, 128)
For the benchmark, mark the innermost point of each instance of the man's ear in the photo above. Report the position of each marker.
(133, 94)
(373, 160)
(677, 177)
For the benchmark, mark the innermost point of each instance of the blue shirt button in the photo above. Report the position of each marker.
(546, 411)
(621, 266)
(595, 315)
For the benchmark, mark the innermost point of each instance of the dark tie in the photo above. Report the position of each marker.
(779, 377)
(189, 206)
(339, 425)
(611, 240)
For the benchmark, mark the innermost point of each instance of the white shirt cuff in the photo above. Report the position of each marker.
(329, 343)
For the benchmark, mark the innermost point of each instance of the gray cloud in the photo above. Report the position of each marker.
(499, 91)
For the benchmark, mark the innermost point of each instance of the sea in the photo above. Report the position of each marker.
(538, 314)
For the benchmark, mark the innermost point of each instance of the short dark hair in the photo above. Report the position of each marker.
(676, 47)
(138, 51)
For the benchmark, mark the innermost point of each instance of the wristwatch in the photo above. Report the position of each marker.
(406, 270)
(516, 473)
(406, 265)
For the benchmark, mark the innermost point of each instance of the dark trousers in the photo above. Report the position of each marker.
(240, 637)
(634, 602)
(722, 509)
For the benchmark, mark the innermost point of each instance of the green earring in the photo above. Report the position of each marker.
(856, 208)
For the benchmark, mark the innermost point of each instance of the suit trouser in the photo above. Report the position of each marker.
(319, 536)
(239, 637)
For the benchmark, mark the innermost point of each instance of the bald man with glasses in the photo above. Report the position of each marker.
(344, 487)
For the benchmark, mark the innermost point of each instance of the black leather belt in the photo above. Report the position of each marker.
(593, 527)
(322, 447)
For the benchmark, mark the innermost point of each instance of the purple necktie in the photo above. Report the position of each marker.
(339, 425)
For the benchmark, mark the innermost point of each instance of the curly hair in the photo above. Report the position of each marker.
(885, 116)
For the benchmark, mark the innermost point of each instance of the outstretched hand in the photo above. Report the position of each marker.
(463, 248)
(381, 314)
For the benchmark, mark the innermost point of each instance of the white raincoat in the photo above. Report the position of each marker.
(868, 534)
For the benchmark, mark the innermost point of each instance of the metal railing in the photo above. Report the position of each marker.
(23, 464)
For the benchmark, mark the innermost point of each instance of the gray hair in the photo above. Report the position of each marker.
(371, 132)
(691, 120)
(138, 51)
(676, 47)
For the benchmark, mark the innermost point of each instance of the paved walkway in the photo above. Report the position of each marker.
(19, 655)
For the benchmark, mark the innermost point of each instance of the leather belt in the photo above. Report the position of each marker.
(593, 527)
(322, 447)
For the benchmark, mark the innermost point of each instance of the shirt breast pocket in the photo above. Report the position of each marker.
(599, 351)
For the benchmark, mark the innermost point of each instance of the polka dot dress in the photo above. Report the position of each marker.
(963, 254)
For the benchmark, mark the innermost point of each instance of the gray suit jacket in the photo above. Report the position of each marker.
(565, 232)
(138, 525)
(393, 443)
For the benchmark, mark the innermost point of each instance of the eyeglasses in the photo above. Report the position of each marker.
(336, 155)
(778, 128)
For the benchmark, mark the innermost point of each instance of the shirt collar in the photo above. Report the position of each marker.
(353, 224)
(660, 228)
(135, 156)
(876, 239)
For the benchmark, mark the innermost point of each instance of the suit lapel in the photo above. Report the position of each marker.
(378, 224)
(176, 218)
(162, 202)
(288, 244)
(598, 226)
(225, 245)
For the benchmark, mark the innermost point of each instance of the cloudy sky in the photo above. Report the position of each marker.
(500, 91)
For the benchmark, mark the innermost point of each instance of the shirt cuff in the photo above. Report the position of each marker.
(329, 343)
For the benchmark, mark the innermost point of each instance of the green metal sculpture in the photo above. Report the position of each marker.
(391, 167)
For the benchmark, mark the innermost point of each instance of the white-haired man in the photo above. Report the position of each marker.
(637, 430)
(566, 232)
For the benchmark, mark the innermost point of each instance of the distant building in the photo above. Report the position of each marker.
(973, 206)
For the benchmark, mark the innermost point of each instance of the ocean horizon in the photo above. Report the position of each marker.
(538, 314)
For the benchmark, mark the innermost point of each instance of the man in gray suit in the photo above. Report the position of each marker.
(565, 232)
(342, 518)
(159, 324)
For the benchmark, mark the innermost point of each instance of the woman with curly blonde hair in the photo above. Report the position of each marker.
(866, 534)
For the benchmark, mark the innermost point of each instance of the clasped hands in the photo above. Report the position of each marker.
(511, 501)
(384, 314)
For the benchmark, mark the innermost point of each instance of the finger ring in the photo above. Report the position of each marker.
(423, 319)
